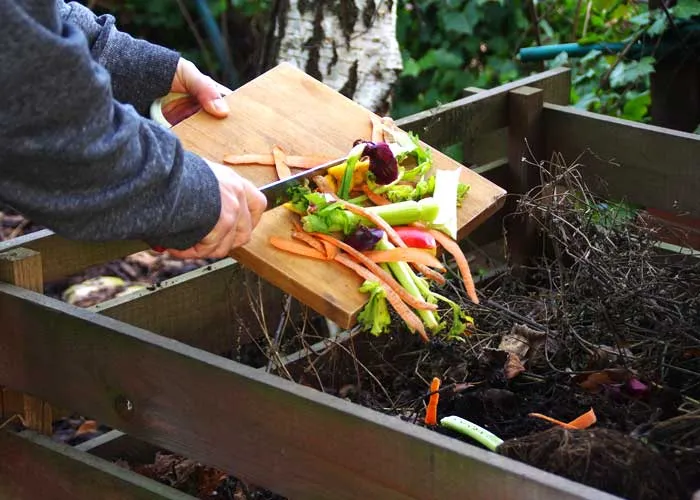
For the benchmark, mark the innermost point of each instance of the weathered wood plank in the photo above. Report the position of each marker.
(22, 267)
(34, 467)
(644, 164)
(62, 257)
(474, 115)
(280, 435)
(525, 147)
(214, 308)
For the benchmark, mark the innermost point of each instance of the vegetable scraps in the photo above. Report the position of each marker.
(384, 213)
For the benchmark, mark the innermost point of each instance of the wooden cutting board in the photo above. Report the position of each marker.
(287, 107)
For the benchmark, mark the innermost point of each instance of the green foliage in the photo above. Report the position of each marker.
(448, 45)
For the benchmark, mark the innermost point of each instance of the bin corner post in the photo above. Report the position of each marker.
(22, 267)
(525, 150)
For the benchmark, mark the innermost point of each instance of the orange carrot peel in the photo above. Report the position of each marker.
(583, 421)
(431, 411)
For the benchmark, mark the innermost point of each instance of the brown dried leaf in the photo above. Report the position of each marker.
(527, 343)
(513, 366)
(593, 382)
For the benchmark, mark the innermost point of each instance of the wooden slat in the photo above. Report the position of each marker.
(213, 308)
(62, 257)
(34, 467)
(525, 148)
(303, 116)
(291, 439)
(22, 267)
(651, 166)
(475, 115)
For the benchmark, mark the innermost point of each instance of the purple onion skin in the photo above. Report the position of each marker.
(364, 238)
(382, 162)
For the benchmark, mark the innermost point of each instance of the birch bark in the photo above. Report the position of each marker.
(350, 45)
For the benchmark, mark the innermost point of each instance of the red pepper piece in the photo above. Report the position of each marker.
(416, 237)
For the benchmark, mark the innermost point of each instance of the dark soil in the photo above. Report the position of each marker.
(601, 319)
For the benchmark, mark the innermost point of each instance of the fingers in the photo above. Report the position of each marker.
(242, 207)
(257, 203)
(204, 89)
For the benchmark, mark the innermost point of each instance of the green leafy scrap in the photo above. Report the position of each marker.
(374, 316)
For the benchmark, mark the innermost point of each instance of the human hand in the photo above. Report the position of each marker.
(204, 89)
(242, 206)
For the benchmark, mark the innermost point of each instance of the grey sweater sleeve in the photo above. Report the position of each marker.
(74, 158)
(140, 71)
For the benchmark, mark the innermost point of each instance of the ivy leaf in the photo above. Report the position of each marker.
(685, 9)
(440, 58)
(458, 22)
(636, 108)
(659, 25)
(632, 71)
(411, 68)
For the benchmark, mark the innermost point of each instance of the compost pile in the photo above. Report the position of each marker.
(602, 319)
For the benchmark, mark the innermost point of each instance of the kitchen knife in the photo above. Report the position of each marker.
(277, 192)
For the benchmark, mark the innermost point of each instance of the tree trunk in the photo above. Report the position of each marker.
(350, 45)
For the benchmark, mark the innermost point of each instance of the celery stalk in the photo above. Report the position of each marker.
(405, 276)
(347, 180)
(407, 212)
(445, 192)
(474, 431)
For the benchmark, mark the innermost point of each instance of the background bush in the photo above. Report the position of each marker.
(447, 45)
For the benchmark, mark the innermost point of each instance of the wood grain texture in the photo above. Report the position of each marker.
(472, 116)
(288, 108)
(34, 467)
(61, 257)
(651, 166)
(216, 308)
(291, 439)
(22, 267)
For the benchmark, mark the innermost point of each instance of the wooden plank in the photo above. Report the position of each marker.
(474, 115)
(487, 147)
(287, 107)
(216, 308)
(288, 438)
(644, 164)
(61, 257)
(524, 154)
(22, 267)
(34, 467)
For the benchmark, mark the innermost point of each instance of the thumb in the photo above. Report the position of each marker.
(204, 89)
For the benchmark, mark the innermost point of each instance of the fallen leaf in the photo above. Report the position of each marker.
(595, 381)
(508, 363)
(528, 344)
(513, 366)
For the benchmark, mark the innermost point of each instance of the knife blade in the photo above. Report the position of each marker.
(277, 192)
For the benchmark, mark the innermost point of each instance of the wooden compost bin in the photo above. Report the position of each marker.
(150, 363)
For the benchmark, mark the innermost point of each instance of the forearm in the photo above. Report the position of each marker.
(140, 71)
(77, 161)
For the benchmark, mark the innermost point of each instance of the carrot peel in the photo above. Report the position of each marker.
(431, 411)
(583, 421)
(296, 247)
